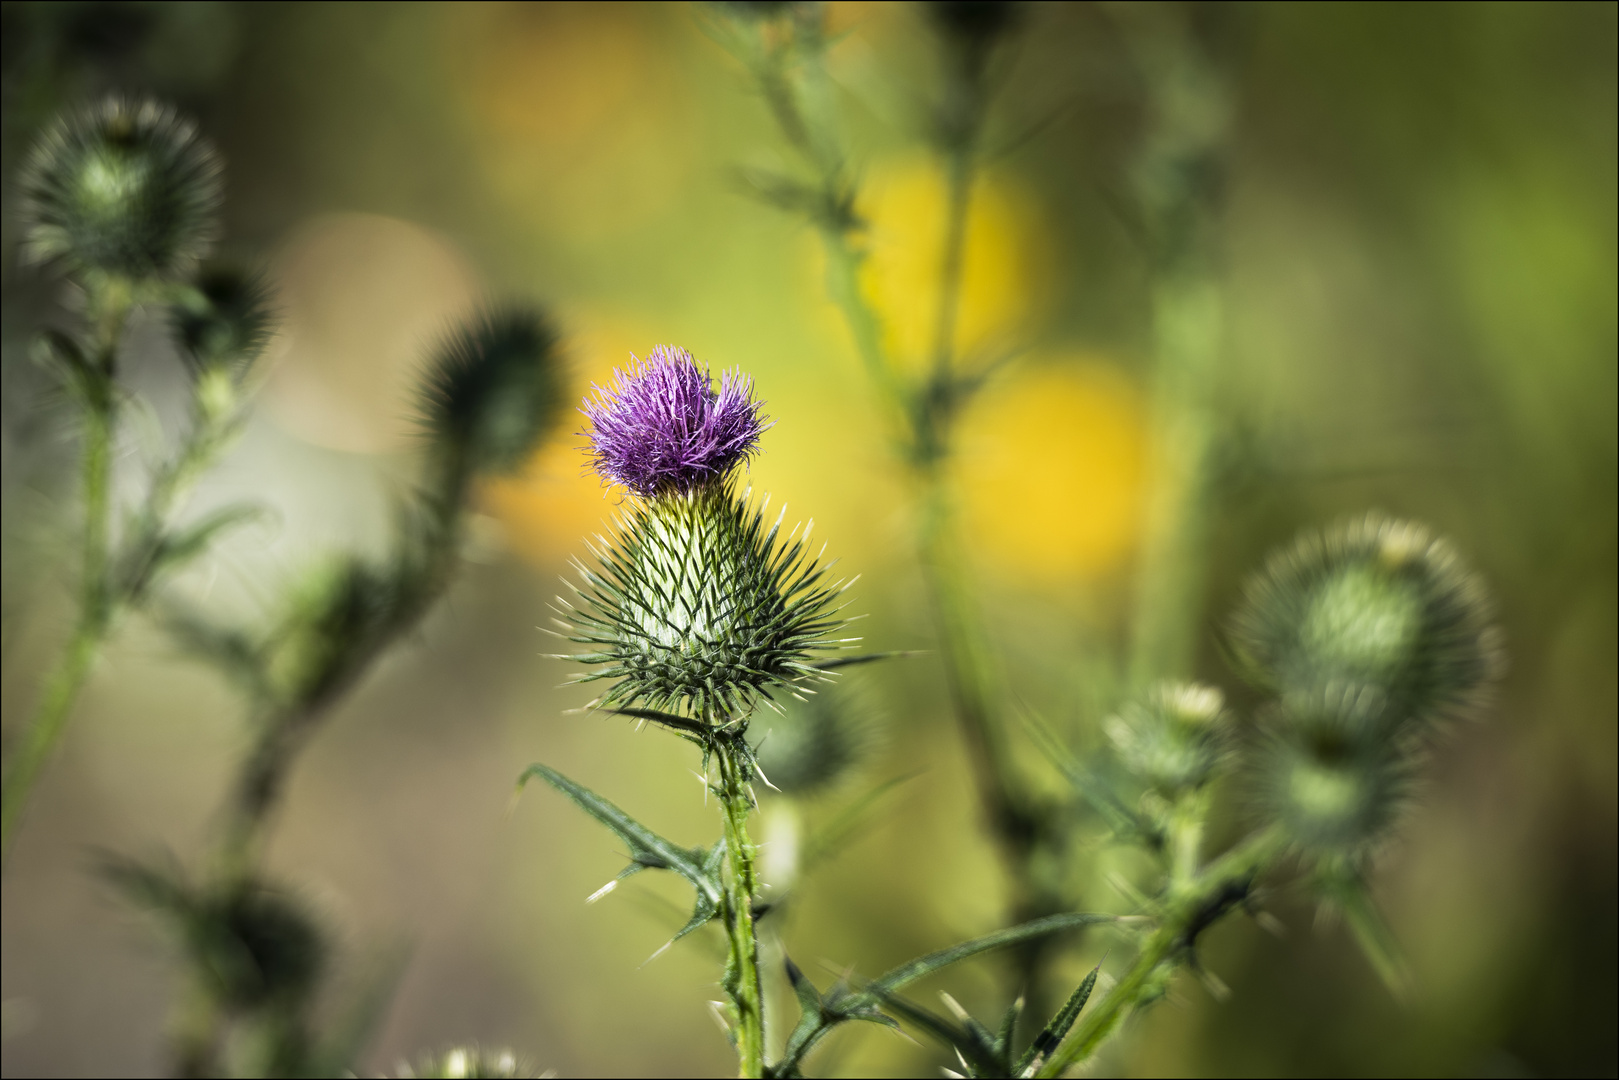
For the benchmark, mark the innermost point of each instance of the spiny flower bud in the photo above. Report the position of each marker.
(125, 189)
(1175, 740)
(701, 606)
(493, 389)
(1374, 602)
(224, 322)
(1329, 794)
(467, 1063)
(815, 742)
(663, 428)
(258, 946)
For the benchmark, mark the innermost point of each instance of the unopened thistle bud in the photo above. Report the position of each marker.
(125, 189)
(467, 1063)
(698, 605)
(493, 389)
(1330, 795)
(258, 946)
(1176, 740)
(1374, 602)
(815, 743)
(224, 322)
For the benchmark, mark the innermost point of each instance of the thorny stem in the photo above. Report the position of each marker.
(111, 305)
(1189, 908)
(741, 882)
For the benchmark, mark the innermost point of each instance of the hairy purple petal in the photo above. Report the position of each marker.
(662, 427)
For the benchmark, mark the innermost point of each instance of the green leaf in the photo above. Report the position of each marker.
(828, 838)
(1000, 939)
(1008, 1033)
(1054, 1033)
(811, 1014)
(648, 850)
(971, 1041)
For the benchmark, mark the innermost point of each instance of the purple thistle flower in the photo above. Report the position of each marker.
(661, 427)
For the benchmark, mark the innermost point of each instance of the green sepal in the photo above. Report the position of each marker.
(1054, 1033)
(971, 1041)
(648, 850)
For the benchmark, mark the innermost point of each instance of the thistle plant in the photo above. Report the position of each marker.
(121, 198)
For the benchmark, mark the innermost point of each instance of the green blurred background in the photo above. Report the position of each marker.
(1420, 254)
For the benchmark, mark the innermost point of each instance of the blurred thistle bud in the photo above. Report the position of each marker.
(125, 188)
(493, 388)
(1176, 740)
(468, 1062)
(1374, 602)
(662, 428)
(698, 604)
(257, 945)
(814, 743)
(224, 321)
(979, 22)
(1330, 795)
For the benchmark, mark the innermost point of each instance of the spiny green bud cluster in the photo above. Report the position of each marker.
(1176, 740)
(125, 189)
(259, 946)
(699, 606)
(493, 389)
(813, 743)
(1368, 635)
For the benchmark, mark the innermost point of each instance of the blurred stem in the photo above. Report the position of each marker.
(927, 408)
(741, 885)
(1189, 909)
(110, 304)
(1187, 324)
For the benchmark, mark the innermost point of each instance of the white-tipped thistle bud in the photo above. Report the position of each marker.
(493, 389)
(125, 189)
(468, 1063)
(1176, 740)
(1373, 602)
(700, 606)
(814, 743)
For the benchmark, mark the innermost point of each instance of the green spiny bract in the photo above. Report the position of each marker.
(492, 390)
(125, 189)
(1174, 741)
(701, 607)
(1376, 603)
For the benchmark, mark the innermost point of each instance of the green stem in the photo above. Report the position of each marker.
(1187, 911)
(111, 304)
(741, 885)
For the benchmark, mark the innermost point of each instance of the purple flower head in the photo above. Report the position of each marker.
(662, 427)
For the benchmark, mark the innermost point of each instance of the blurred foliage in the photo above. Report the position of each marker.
(1421, 265)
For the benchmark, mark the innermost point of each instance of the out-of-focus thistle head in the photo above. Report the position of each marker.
(1175, 740)
(663, 428)
(467, 1063)
(699, 606)
(225, 321)
(493, 389)
(125, 188)
(1375, 603)
(1330, 795)
(816, 742)
(258, 945)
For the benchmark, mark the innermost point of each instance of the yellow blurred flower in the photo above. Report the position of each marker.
(1052, 466)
